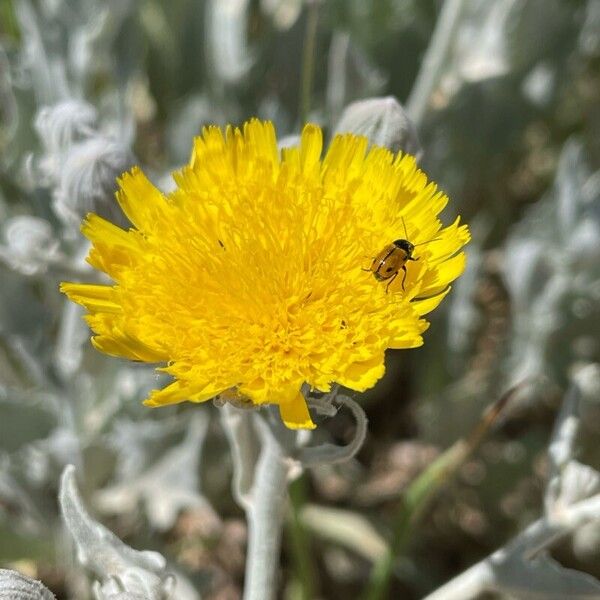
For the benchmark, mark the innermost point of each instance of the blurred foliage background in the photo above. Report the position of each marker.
(510, 129)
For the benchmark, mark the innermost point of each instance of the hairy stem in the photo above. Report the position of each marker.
(265, 513)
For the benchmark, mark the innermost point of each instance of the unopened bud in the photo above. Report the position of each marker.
(384, 121)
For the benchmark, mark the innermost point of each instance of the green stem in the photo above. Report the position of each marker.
(308, 59)
(300, 541)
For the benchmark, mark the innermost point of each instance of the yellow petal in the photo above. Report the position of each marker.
(179, 391)
(311, 146)
(141, 202)
(426, 305)
(360, 376)
(113, 248)
(437, 280)
(121, 346)
(294, 413)
(96, 298)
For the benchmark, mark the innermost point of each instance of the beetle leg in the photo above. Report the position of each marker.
(370, 269)
(387, 287)
(404, 278)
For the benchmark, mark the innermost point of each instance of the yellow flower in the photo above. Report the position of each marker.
(251, 278)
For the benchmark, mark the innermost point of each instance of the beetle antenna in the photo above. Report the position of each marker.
(428, 242)
(405, 232)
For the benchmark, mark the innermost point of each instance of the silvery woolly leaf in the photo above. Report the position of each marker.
(187, 121)
(553, 294)
(289, 141)
(534, 29)
(345, 527)
(29, 244)
(118, 567)
(589, 36)
(543, 577)
(586, 541)
(80, 162)
(137, 444)
(64, 123)
(87, 180)
(480, 51)
(570, 481)
(16, 499)
(539, 85)
(350, 74)
(83, 52)
(588, 379)
(117, 596)
(283, 13)
(566, 428)
(9, 110)
(45, 70)
(72, 335)
(578, 481)
(464, 314)
(168, 486)
(45, 458)
(230, 56)
(384, 121)
(14, 586)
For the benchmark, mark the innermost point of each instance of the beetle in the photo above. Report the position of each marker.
(391, 260)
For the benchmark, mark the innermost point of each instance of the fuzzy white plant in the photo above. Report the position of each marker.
(16, 586)
(122, 572)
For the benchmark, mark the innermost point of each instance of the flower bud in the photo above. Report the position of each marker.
(384, 121)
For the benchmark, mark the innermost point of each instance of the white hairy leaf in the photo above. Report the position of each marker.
(118, 567)
(14, 586)
(168, 486)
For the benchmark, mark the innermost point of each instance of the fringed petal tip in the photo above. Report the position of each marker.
(295, 415)
(179, 391)
(63, 288)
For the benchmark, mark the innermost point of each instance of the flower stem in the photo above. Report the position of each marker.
(265, 513)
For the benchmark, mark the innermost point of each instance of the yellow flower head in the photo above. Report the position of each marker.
(255, 275)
